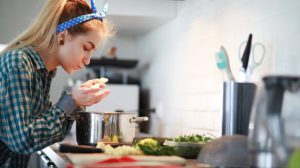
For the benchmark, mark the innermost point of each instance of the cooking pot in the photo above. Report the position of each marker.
(108, 127)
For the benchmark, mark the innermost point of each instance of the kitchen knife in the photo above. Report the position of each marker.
(246, 54)
(68, 148)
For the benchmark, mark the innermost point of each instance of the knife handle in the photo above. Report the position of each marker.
(68, 148)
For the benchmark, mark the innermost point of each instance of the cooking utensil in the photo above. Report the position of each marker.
(68, 148)
(254, 62)
(242, 77)
(109, 127)
(246, 54)
(237, 103)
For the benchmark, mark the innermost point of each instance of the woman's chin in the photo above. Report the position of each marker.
(69, 71)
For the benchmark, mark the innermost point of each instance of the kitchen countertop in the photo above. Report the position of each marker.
(61, 161)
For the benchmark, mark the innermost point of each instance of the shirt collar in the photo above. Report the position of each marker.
(52, 73)
(38, 61)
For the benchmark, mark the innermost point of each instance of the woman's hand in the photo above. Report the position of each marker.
(90, 92)
(95, 82)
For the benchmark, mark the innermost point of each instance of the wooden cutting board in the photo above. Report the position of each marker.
(80, 159)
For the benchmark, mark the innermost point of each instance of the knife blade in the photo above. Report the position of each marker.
(246, 54)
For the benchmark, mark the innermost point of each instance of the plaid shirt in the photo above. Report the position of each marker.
(28, 121)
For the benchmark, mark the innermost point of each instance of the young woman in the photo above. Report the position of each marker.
(65, 34)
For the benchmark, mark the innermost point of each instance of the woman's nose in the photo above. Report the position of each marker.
(86, 61)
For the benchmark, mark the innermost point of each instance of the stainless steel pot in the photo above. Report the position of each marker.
(108, 127)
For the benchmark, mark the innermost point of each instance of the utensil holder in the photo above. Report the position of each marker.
(237, 103)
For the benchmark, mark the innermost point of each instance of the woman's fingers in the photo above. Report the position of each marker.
(89, 83)
(97, 97)
(92, 82)
(101, 92)
(93, 98)
(102, 96)
(91, 90)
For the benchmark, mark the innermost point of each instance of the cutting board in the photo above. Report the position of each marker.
(80, 159)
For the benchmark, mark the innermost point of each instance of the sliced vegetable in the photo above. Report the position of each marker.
(119, 151)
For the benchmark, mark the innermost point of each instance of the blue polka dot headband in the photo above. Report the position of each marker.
(83, 18)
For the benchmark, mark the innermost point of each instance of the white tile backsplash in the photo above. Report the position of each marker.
(183, 77)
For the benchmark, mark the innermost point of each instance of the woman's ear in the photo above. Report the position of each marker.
(61, 37)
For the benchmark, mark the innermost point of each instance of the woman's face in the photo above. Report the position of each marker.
(76, 51)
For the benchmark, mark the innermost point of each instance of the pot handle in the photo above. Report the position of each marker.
(138, 119)
(74, 116)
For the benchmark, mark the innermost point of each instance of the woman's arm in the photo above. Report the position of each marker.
(21, 131)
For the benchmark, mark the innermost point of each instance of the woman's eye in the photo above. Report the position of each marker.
(85, 49)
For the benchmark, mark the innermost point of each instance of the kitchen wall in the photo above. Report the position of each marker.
(126, 47)
(183, 79)
(15, 16)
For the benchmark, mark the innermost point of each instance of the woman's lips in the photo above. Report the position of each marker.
(78, 68)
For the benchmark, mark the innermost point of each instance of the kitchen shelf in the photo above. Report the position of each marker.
(116, 63)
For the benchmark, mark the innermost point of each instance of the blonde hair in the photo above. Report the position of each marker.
(42, 33)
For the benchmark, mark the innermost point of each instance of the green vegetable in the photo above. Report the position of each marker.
(152, 147)
(192, 138)
(148, 142)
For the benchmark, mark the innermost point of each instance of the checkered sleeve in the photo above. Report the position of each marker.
(22, 131)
